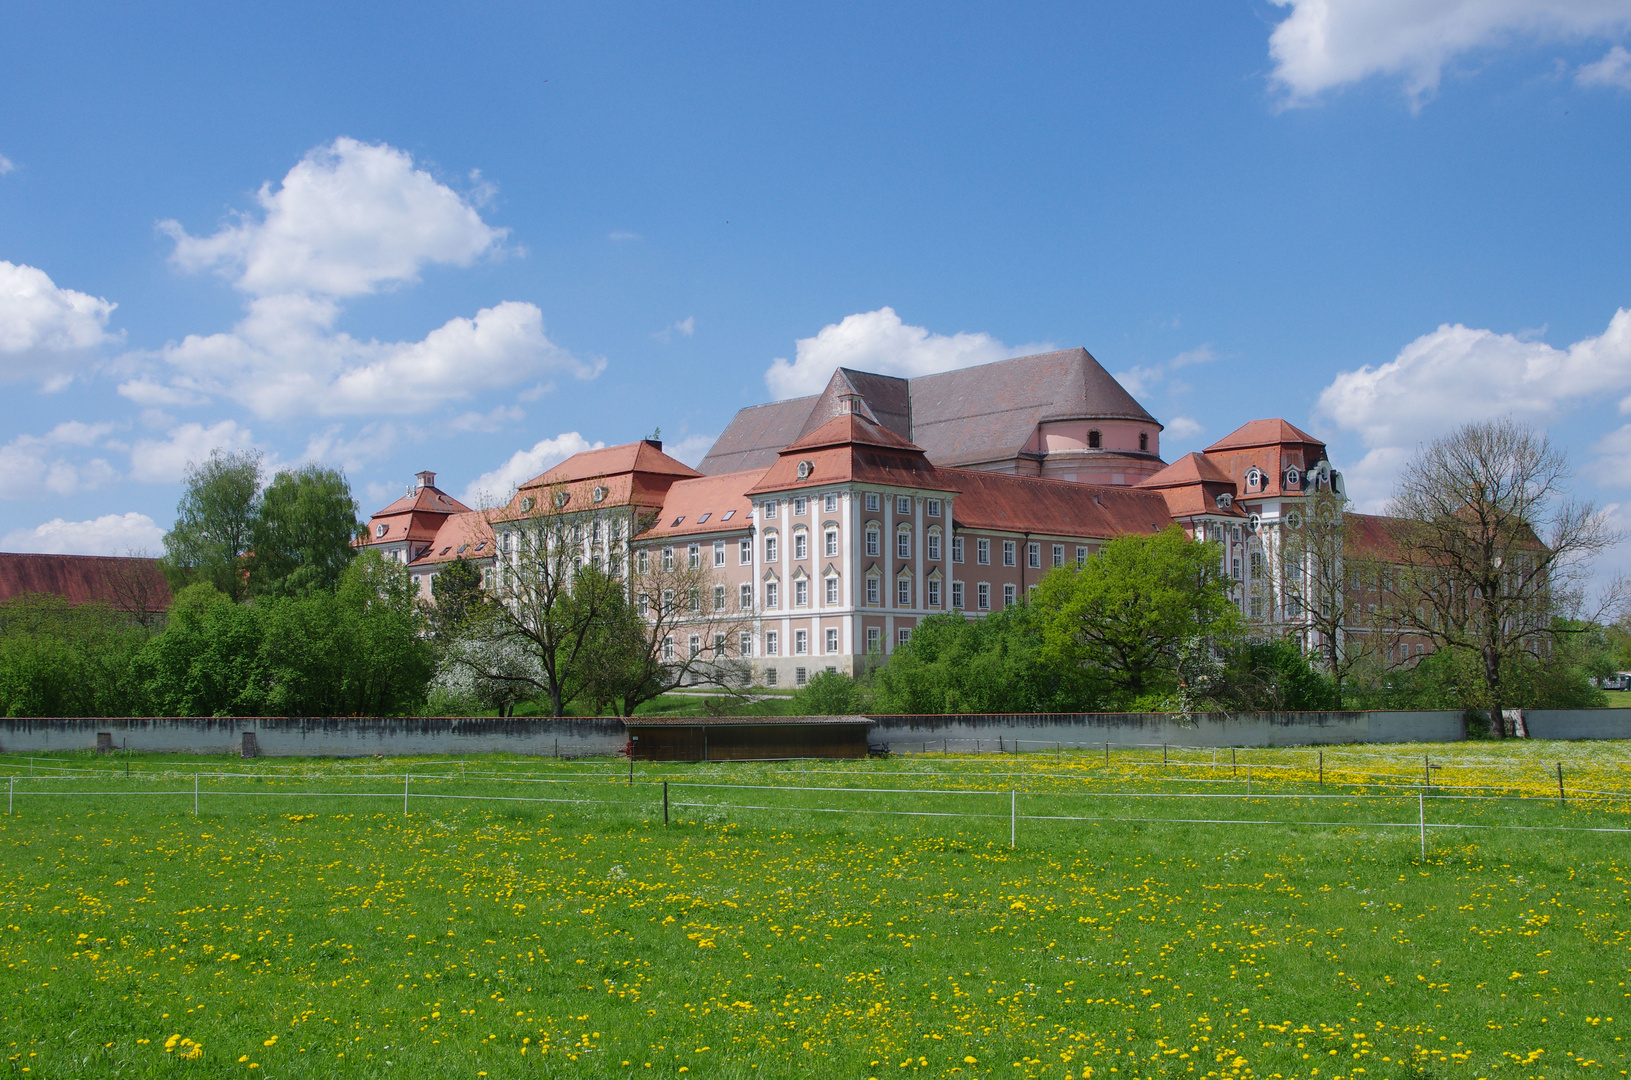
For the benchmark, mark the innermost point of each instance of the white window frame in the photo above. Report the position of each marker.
(982, 596)
(773, 643)
(1010, 553)
(744, 643)
(719, 598)
(832, 640)
(773, 595)
(874, 540)
(744, 551)
(933, 548)
(874, 639)
(873, 590)
(801, 506)
(1081, 554)
(957, 549)
(903, 504)
(772, 547)
(903, 592)
(1033, 555)
(693, 556)
(832, 590)
(719, 553)
(873, 503)
(801, 592)
(1058, 554)
(933, 507)
(801, 643)
(801, 545)
(903, 542)
(829, 502)
(1010, 594)
(957, 595)
(934, 592)
(694, 642)
(902, 636)
(830, 538)
(744, 596)
(982, 552)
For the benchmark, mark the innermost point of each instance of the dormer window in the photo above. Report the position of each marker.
(560, 499)
(1254, 479)
(600, 494)
(805, 468)
(1094, 439)
(380, 531)
(528, 503)
(1292, 476)
(1225, 500)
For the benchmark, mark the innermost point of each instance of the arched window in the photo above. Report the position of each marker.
(770, 547)
(801, 544)
(872, 538)
(1094, 439)
(903, 542)
(934, 544)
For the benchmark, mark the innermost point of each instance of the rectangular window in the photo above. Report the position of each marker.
(832, 592)
(902, 636)
(1010, 549)
(829, 501)
(770, 548)
(934, 592)
(696, 645)
(1008, 594)
(693, 557)
(1236, 569)
(801, 545)
(800, 506)
(744, 551)
(873, 634)
(957, 595)
(832, 543)
(1257, 607)
(1081, 554)
(934, 547)
(982, 551)
(719, 645)
(872, 500)
(933, 506)
(982, 596)
(801, 676)
(770, 676)
(1058, 554)
(903, 592)
(801, 643)
(872, 541)
(744, 644)
(693, 600)
(773, 643)
(801, 593)
(719, 553)
(872, 591)
(668, 649)
(832, 640)
(772, 594)
(1033, 555)
(668, 558)
(1257, 567)
(719, 598)
(770, 509)
(903, 545)
(744, 599)
(903, 505)
(957, 549)
(642, 562)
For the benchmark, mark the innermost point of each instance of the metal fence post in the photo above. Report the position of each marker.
(195, 794)
(1322, 768)
(1421, 809)
(665, 802)
(11, 785)
(1561, 798)
(1013, 816)
(405, 778)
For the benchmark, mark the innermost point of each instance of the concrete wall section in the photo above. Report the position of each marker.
(1037, 731)
(1578, 723)
(328, 737)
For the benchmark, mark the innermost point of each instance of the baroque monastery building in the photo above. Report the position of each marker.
(828, 526)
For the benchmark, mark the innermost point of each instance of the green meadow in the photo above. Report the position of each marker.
(1041, 915)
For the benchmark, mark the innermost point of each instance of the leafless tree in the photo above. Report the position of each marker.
(1328, 577)
(693, 626)
(1491, 549)
(137, 588)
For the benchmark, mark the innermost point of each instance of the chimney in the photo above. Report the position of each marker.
(426, 479)
(655, 444)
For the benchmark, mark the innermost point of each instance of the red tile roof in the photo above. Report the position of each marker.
(645, 456)
(714, 496)
(1003, 503)
(1271, 432)
(851, 449)
(1192, 468)
(457, 539)
(117, 581)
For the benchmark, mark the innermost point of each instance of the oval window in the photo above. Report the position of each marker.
(528, 503)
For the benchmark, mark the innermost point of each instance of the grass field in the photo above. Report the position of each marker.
(301, 925)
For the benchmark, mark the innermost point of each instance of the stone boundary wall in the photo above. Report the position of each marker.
(605, 736)
(1043, 731)
(1578, 723)
(276, 736)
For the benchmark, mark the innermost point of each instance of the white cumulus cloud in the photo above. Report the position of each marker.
(691, 449)
(495, 488)
(46, 332)
(349, 219)
(166, 460)
(6, 165)
(1614, 69)
(1457, 374)
(110, 534)
(1323, 44)
(32, 466)
(879, 341)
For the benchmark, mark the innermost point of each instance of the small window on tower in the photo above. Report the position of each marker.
(1094, 439)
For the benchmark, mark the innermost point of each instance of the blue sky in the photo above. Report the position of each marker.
(475, 238)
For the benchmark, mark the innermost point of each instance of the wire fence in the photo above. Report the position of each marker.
(1280, 796)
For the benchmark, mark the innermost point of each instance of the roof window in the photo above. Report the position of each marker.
(447, 549)
(676, 523)
(705, 517)
(727, 515)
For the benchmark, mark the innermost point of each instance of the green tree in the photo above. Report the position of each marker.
(1140, 617)
(993, 664)
(208, 661)
(302, 535)
(1275, 675)
(215, 522)
(392, 659)
(59, 659)
(830, 693)
(456, 595)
